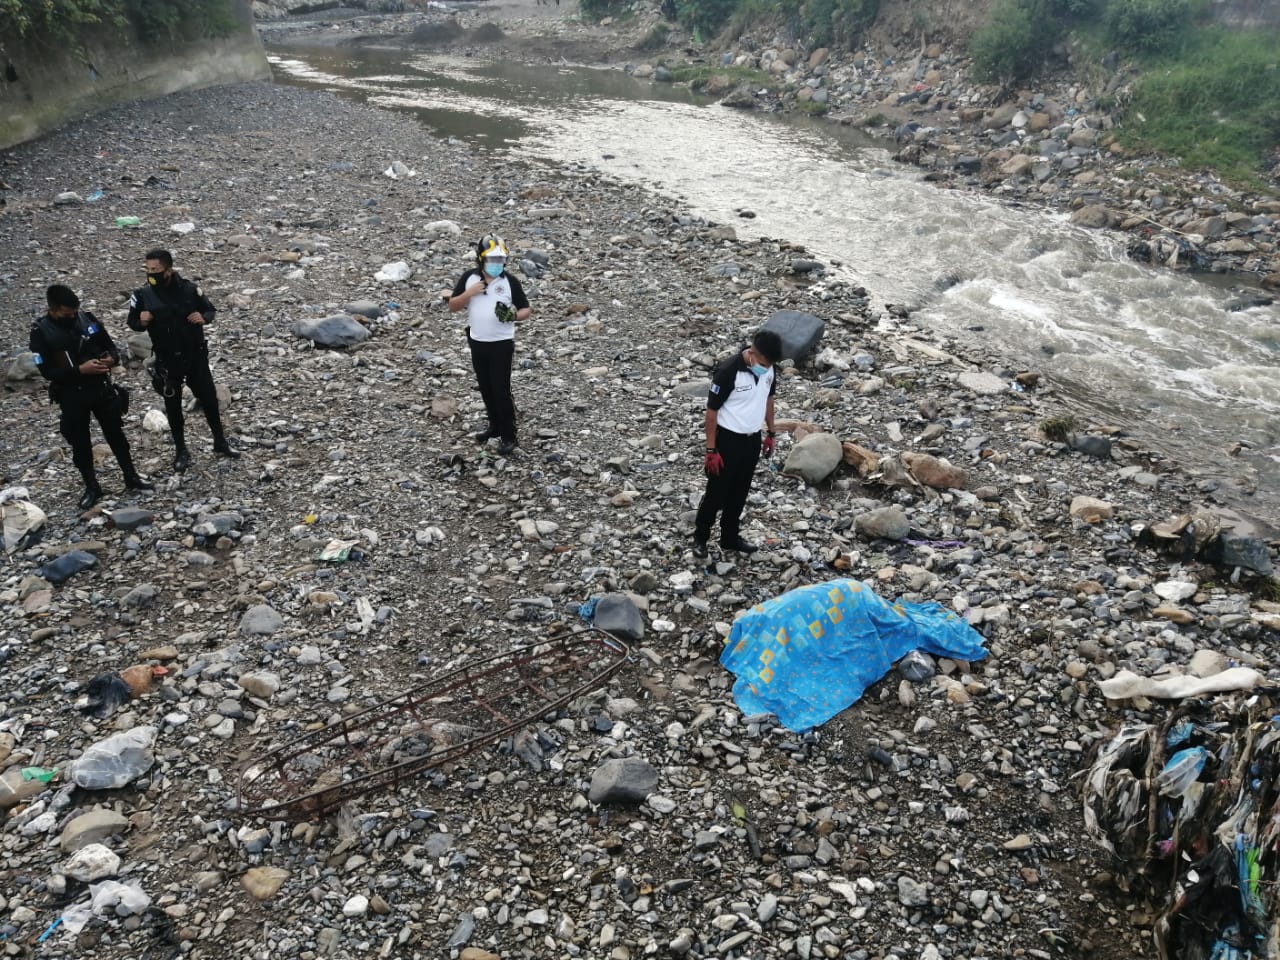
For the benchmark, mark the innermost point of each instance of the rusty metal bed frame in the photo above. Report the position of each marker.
(458, 713)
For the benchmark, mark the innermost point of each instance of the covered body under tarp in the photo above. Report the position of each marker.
(808, 654)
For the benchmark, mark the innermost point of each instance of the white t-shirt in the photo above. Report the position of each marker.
(484, 323)
(739, 397)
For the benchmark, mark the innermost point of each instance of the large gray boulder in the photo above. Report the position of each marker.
(616, 614)
(627, 780)
(815, 457)
(886, 523)
(338, 330)
(800, 332)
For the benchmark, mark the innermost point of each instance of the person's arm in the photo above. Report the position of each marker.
(463, 292)
(709, 426)
(104, 347)
(768, 415)
(204, 312)
(519, 299)
(139, 319)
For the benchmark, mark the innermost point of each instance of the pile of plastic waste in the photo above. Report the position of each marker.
(1191, 810)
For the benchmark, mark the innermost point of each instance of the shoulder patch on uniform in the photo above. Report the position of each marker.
(198, 293)
(133, 300)
(715, 388)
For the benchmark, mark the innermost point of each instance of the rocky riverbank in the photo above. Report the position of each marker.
(1054, 144)
(935, 819)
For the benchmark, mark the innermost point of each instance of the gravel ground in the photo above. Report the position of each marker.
(936, 819)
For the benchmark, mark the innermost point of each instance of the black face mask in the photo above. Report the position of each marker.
(157, 279)
(65, 321)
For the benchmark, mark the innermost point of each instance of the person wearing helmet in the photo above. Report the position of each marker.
(494, 301)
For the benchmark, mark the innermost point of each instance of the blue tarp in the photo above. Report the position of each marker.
(808, 654)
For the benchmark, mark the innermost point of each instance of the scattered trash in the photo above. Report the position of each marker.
(394, 272)
(21, 518)
(48, 932)
(917, 667)
(183, 228)
(127, 222)
(398, 171)
(1206, 536)
(120, 899)
(116, 761)
(95, 196)
(810, 653)
(103, 694)
(1194, 830)
(1126, 684)
(67, 566)
(43, 774)
(337, 551)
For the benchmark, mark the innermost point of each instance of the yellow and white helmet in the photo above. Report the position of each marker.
(491, 246)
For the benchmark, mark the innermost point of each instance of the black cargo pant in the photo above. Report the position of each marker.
(491, 361)
(77, 407)
(727, 492)
(171, 372)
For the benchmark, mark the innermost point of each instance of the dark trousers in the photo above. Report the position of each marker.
(73, 424)
(171, 374)
(492, 363)
(727, 492)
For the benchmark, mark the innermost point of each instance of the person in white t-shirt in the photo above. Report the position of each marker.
(739, 401)
(495, 301)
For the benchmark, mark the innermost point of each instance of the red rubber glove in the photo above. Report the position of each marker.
(766, 448)
(713, 463)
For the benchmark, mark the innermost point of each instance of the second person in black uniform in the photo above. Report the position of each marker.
(174, 312)
(75, 354)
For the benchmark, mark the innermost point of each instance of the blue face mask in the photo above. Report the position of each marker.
(758, 370)
(494, 269)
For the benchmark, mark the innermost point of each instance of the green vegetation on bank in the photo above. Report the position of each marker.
(64, 22)
(1020, 34)
(1214, 104)
(1206, 95)
(698, 75)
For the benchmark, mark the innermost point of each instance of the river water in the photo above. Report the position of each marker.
(1156, 353)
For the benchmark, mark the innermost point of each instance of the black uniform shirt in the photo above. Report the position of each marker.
(60, 348)
(172, 334)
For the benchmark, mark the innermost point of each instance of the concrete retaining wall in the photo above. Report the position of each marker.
(41, 89)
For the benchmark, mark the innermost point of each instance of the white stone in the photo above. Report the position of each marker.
(1175, 590)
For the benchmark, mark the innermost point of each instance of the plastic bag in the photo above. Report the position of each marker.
(1182, 770)
(116, 761)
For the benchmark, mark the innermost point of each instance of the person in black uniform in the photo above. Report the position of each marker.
(75, 354)
(494, 301)
(739, 400)
(174, 312)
